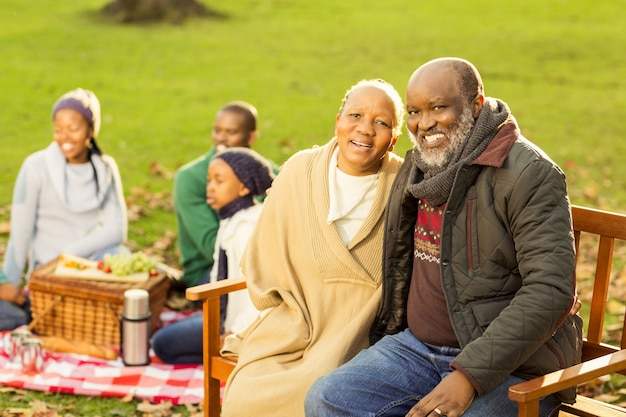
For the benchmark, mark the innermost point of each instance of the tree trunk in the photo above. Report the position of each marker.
(145, 11)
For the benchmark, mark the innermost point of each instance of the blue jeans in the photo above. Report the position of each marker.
(12, 316)
(390, 377)
(180, 342)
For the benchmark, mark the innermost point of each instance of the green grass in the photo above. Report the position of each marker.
(15, 403)
(559, 64)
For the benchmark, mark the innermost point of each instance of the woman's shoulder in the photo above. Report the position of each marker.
(35, 163)
(107, 159)
(108, 162)
(35, 158)
(395, 158)
(303, 154)
(303, 157)
(393, 163)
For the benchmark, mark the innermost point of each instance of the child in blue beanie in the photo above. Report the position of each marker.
(235, 177)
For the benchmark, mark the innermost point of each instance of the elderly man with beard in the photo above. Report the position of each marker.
(478, 269)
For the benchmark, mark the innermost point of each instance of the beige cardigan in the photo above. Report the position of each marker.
(319, 296)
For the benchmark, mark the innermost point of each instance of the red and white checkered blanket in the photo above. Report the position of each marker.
(86, 375)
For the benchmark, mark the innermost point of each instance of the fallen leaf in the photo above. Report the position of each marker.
(5, 227)
(128, 397)
(615, 307)
(159, 171)
(591, 191)
(148, 407)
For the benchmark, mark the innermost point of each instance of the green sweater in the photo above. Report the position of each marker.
(197, 222)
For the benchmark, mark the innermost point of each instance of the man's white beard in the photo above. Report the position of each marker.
(438, 158)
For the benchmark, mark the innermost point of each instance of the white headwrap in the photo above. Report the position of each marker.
(83, 101)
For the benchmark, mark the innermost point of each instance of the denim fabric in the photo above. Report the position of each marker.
(180, 342)
(390, 377)
(12, 316)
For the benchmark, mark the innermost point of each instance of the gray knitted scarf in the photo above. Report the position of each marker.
(437, 183)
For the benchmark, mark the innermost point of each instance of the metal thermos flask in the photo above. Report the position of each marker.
(135, 328)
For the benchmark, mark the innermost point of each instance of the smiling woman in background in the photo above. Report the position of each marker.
(67, 198)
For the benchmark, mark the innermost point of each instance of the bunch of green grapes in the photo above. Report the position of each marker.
(124, 264)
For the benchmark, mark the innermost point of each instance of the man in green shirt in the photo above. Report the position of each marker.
(235, 125)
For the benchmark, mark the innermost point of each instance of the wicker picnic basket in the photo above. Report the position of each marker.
(86, 310)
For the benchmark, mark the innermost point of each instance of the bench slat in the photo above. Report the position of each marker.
(598, 358)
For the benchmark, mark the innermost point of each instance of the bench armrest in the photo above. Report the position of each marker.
(528, 393)
(215, 289)
(214, 366)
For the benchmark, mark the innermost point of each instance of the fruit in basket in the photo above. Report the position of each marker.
(124, 264)
(70, 264)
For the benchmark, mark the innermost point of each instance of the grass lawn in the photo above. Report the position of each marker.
(559, 65)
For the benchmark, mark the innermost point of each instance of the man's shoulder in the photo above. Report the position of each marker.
(196, 168)
(191, 177)
(524, 160)
(524, 152)
(196, 164)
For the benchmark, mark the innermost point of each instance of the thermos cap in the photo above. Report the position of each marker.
(136, 303)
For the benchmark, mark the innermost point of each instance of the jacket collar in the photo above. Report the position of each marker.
(498, 150)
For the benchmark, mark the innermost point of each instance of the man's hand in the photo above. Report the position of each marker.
(12, 293)
(451, 397)
(576, 306)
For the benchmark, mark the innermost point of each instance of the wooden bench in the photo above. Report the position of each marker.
(598, 358)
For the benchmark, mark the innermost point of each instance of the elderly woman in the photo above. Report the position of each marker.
(67, 199)
(313, 263)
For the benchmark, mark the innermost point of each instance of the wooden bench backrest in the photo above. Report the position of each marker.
(600, 238)
(604, 229)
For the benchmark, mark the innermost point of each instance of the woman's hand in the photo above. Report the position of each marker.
(222, 338)
(451, 397)
(12, 293)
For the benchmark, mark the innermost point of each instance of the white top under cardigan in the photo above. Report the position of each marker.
(232, 237)
(351, 198)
